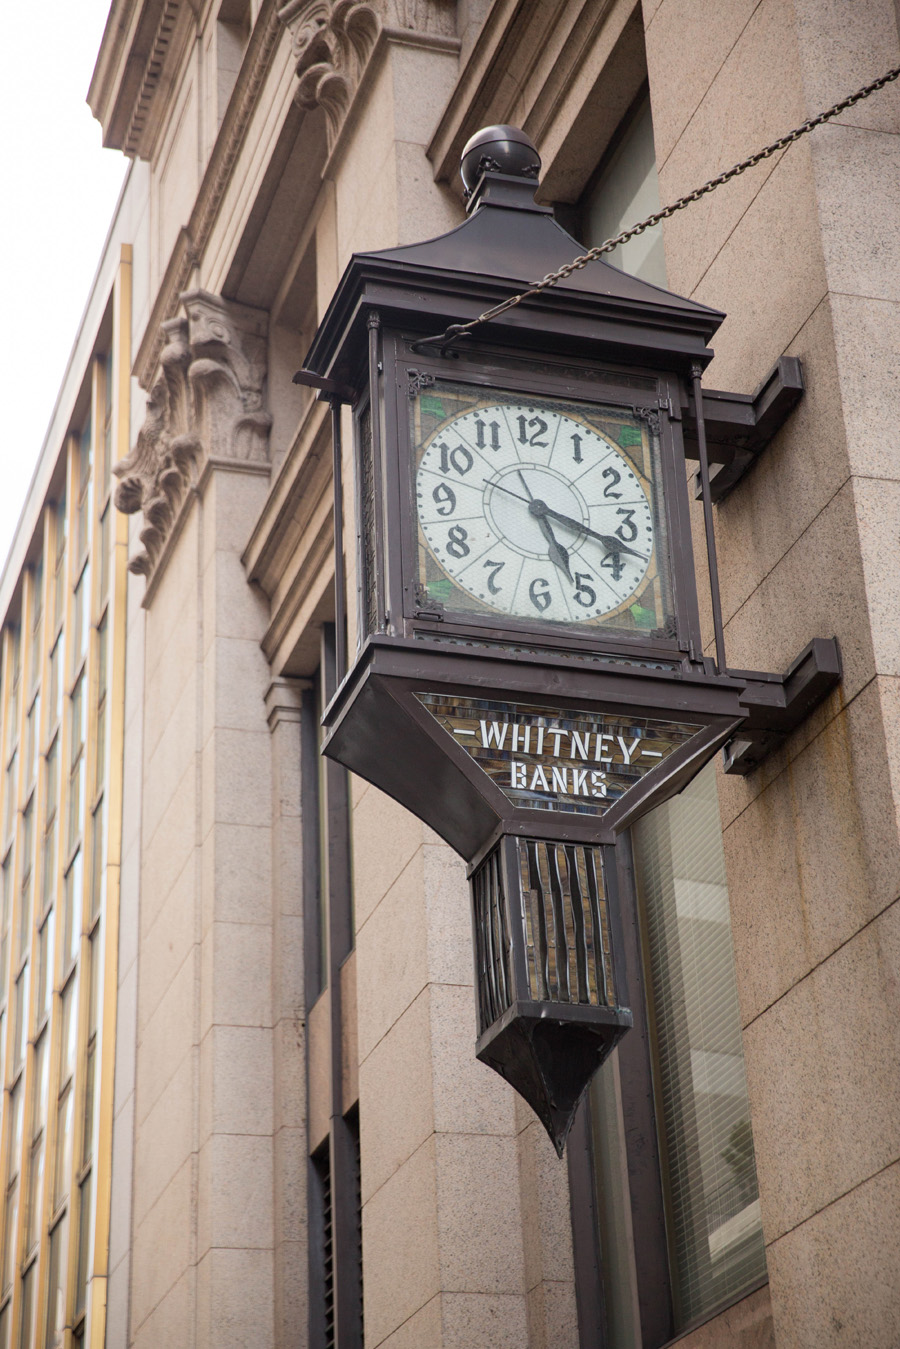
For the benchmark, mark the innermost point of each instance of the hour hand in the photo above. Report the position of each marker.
(558, 555)
(610, 542)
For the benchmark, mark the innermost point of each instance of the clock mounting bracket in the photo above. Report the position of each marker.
(739, 427)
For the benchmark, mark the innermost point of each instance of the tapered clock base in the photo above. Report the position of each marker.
(549, 1054)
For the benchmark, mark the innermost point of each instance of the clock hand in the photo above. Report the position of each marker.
(609, 541)
(558, 555)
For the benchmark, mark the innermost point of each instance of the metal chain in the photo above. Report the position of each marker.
(536, 288)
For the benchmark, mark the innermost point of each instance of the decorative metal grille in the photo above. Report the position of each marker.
(492, 942)
(564, 909)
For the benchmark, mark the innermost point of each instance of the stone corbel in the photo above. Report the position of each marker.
(206, 402)
(333, 41)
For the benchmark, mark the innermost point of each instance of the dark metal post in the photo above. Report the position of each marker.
(722, 666)
(340, 604)
(586, 1254)
(344, 1217)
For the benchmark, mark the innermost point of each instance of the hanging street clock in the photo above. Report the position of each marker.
(530, 675)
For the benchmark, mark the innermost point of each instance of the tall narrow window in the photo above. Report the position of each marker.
(712, 1204)
(624, 191)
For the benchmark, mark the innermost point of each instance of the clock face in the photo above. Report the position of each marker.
(533, 510)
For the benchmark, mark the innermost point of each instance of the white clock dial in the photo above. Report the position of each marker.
(534, 513)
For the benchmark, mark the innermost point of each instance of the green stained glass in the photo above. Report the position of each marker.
(629, 435)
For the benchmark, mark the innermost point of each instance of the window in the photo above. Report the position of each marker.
(677, 1212)
(712, 1204)
(624, 191)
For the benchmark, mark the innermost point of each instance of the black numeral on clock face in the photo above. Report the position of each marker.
(540, 430)
(493, 427)
(615, 479)
(585, 595)
(456, 542)
(445, 499)
(626, 525)
(459, 458)
(539, 594)
(612, 562)
(495, 568)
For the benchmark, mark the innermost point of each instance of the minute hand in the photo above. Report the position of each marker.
(609, 541)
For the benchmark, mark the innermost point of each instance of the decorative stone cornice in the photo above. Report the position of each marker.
(333, 41)
(207, 402)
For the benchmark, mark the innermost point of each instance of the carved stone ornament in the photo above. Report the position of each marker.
(333, 40)
(206, 402)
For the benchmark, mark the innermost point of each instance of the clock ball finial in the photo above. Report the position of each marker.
(500, 149)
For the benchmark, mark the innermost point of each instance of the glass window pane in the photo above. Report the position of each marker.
(5, 920)
(98, 869)
(96, 963)
(27, 866)
(84, 1245)
(100, 754)
(12, 795)
(627, 191)
(56, 684)
(20, 1024)
(35, 1193)
(63, 1161)
(84, 490)
(104, 553)
(68, 1026)
(76, 799)
(51, 801)
(29, 1297)
(56, 1286)
(40, 1084)
(16, 1110)
(32, 739)
(10, 1219)
(87, 1136)
(716, 1244)
(82, 617)
(49, 859)
(72, 909)
(44, 969)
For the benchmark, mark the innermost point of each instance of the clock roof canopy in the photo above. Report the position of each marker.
(507, 242)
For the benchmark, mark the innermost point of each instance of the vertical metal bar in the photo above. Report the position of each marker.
(347, 1275)
(590, 1303)
(575, 896)
(641, 1137)
(480, 903)
(503, 931)
(559, 923)
(340, 603)
(374, 327)
(542, 955)
(599, 943)
(696, 373)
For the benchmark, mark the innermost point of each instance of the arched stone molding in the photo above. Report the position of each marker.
(206, 403)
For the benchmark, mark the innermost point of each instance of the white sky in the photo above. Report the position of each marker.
(58, 188)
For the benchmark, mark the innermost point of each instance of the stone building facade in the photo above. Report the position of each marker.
(301, 1148)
